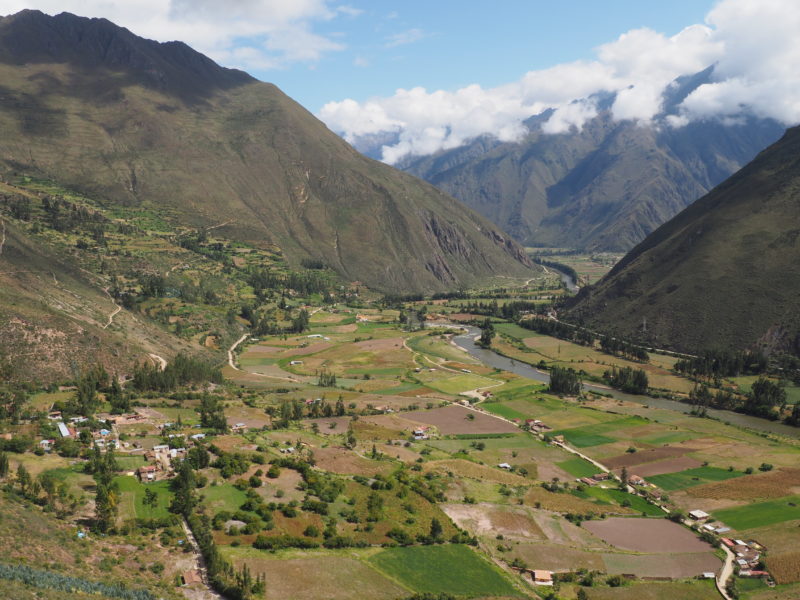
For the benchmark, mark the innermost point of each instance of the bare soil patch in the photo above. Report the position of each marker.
(456, 419)
(346, 462)
(647, 535)
(380, 345)
(646, 456)
(491, 519)
(675, 566)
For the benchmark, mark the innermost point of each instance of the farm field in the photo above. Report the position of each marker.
(692, 477)
(577, 467)
(760, 514)
(312, 575)
(456, 419)
(132, 494)
(647, 535)
(454, 569)
(695, 590)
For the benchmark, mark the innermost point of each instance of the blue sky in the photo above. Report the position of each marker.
(456, 43)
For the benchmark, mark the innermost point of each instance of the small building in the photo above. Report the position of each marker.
(147, 473)
(505, 466)
(601, 476)
(709, 575)
(727, 541)
(542, 577)
(588, 481)
(698, 515)
(161, 448)
(636, 480)
(55, 415)
(295, 362)
(63, 429)
(46, 445)
(239, 428)
(558, 439)
(78, 420)
(104, 432)
(198, 436)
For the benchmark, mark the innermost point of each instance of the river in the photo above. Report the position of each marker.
(466, 341)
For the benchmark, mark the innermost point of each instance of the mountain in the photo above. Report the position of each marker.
(724, 273)
(97, 109)
(603, 187)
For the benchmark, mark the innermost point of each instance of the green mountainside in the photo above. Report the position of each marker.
(724, 273)
(603, 188)
(91, 106)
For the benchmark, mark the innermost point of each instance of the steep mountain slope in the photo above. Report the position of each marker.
(604, 187)
(92, 106)
(724, 273)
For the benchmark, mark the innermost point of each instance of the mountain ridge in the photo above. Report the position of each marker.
(132, 124)
(723, 273)
(603, 187)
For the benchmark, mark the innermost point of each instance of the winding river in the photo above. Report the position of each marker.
(466, 341)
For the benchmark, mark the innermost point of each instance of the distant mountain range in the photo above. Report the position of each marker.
(724, 273)
(90, 105)
(604, 187)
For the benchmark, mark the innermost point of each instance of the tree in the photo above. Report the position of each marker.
(3, 465)
(105, 507)
(436, 529)
(150, 498)
(564, 381)
(23, 478)
(582, 595)
(487, 333)
(183, 485)
(623, 478)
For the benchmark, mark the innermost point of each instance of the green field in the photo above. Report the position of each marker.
(461, 383)
(132, 498)
(577, 467)
(498, 408)
(760, 514)
(450, 568)
(223, 497)
(691, 477)
(592, 435)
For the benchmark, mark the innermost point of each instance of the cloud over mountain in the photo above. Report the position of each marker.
(752, 43)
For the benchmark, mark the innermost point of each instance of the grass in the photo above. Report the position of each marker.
(577, 467)
(760, 514)
(691, 477)
(132, 498)
(223, 497)
(461, 383)
(498, 408)
(618, 497)
(592, 435)
(451, 568)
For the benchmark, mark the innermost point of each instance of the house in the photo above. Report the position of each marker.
(709, 575)
(46, 445)
(588, 481)
(104, 432)
(542, 577)
(295, 362)
(198, 436)
(239, 428)
(558, 439)
(636, 480)
(63, 430)
(55, 415)
(698, 515)
(147, 473)
(289, 450)
(191, 577)
(78, 420)
(601, 477)
(728, 542)
(161, 448)
(504, 466)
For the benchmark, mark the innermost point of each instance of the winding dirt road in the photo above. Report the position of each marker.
(3, 239)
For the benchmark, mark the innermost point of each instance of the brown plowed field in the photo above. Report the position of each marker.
(455, 419)
(647, 535)
(670, 465)
(645, 456)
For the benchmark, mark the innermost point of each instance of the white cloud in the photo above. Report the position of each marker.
(360, 61)
(754, 45)
(249, 34)
(404, 37)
